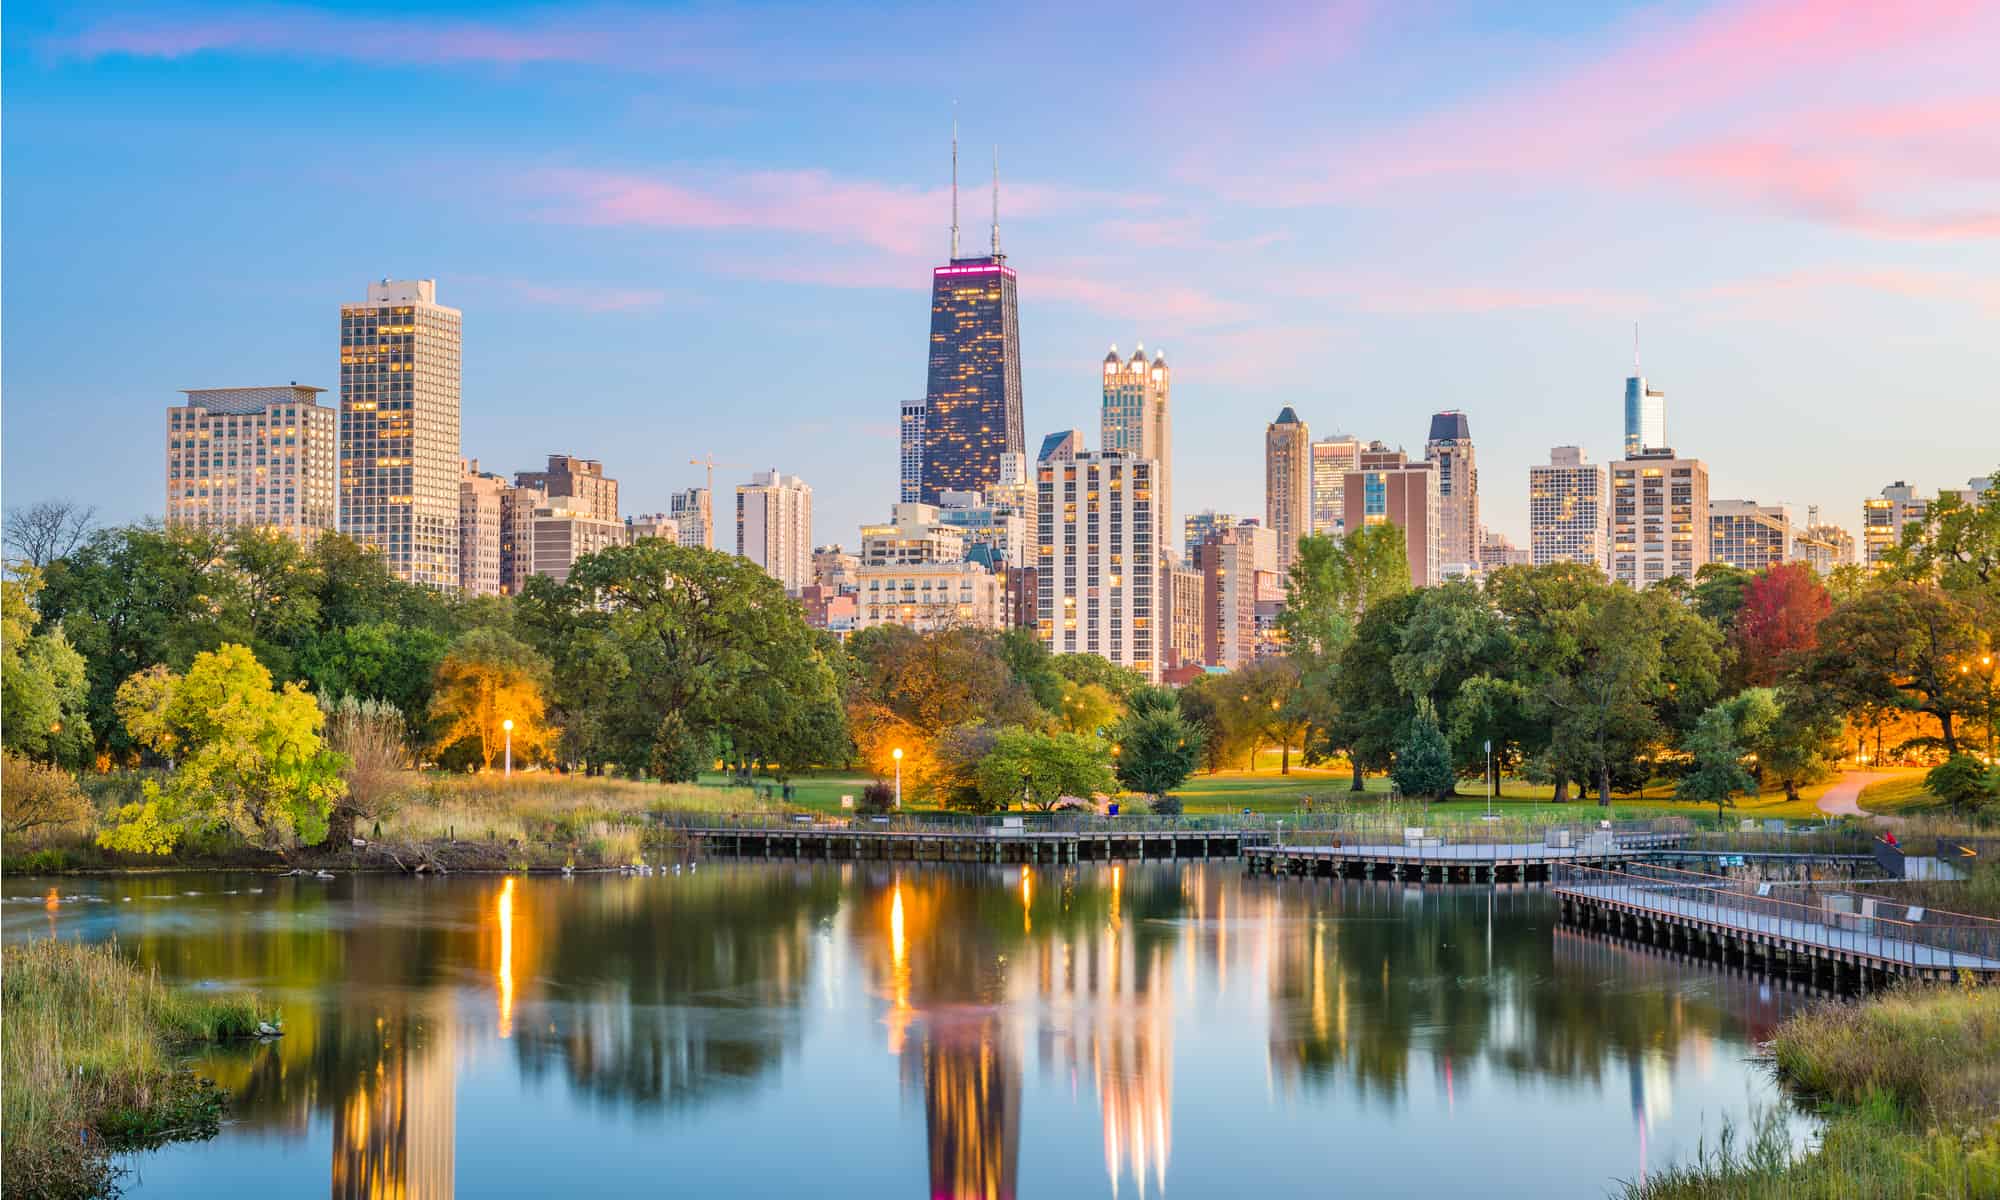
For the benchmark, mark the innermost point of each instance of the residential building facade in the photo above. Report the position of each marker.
(1197, 527)
(399, 429)
(1097, 559)
(1287, 484)
(1332, 458)
(479, 531)
(1390, 489)
(774, 526)
(1181, 587)
(1234, 566)
(579, 480)
(1746, 534)
(1449, 450)
(1569, 509)
(261, 457)
(913, 534)
(1001, 529)
(1659, 517)
(563, 531)
(1138, 422)
(693, 515)
(1882, 521)
(928, 596)
(517, 518)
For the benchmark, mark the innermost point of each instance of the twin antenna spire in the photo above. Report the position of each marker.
(954, 192)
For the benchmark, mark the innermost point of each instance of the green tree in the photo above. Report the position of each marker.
(1717, 774)
(246, 757)
(1039, 769)
(486, 680)
(1156, 749)
(1423, 761)
(1800, 743)
(1119, 682)
(1718, 593)
(44, 685)
(1370, 713)
(1956, 545)
(379, 660)
(1261, 702)
(1907, 647)
(1086, 708)
(1964, 782)
(1031, 664)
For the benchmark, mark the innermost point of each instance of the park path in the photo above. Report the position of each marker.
(1839, 799)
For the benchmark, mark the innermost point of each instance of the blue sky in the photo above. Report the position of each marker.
(692, 229)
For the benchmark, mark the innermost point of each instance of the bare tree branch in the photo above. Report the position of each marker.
(49, 530)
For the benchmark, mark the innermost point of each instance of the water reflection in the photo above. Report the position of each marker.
(495, 1035)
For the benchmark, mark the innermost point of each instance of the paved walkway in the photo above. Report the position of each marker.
(1839, 800)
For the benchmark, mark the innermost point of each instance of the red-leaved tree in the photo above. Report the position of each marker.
(1782, 609)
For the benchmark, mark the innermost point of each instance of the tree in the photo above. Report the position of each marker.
(246, 757)
(1956, 545)
(1200, 703)
(1423, 760)
(46, 531)
(1778, 621)
(1261, 703)
(1902, 645)
(1718, 593)
(379, 660)
(1964, 782)
(373, 745)
(487, 679)
(1029, 661)
(1717, 774)
(39, 797)
(1118, 681)
(1800, 743)
(1370, 714)
(44, 688)
(908, 688)
(1086, 708)
(1040, 769)
(956, 754)
(1156, 749)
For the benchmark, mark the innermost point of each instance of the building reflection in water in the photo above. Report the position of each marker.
(395, 1135)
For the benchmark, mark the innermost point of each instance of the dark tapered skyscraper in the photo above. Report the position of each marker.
(972, 406)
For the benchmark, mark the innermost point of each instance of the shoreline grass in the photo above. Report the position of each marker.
(91, 1064)
(1909, 1083)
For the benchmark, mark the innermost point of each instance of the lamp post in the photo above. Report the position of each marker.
(897, 754)
(508, 725)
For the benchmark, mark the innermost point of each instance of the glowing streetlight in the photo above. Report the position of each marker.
(897, 754)
(508, 725)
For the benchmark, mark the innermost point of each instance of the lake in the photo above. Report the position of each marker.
(877, 1029)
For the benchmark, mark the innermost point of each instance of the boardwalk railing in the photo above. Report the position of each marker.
(1819, 916)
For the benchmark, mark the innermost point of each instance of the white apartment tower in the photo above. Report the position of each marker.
(774, 526)
(1138, 422)
(1659, 517)
(1097, 559)
(1883, 518)
(399, 445)
(693, 517)
(258, 456)
(1569, 509)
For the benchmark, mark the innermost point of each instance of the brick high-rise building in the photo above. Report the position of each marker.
(1659, 517)
(580, 480)
(1236, 571)
(1098, 560)
(774, 526)
(479, 531)
(257, 456)
(399, 422)
(1287, 484)
(1387, 488)
(517, 516)
(1569, 509)
(1450, 450)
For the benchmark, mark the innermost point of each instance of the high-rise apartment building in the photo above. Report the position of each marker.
(1097, 559)
(1287, 484)
(1569, 509)
(1645, 417)
(911, 459)
(1822, 546)
(1387, 488)
(693, 515)
(972, 404)
(1746, 534)
(559, 533)
(1236, 571)
(1138, 422)
(581, 480)
(399, 413)
(774, 526)
(255, 456)
(479, 531)
(517, 520)
(1332, 458)
(930, 596)
(1181, 589)
(1659, 517)
(913, 534)
(1450, 450)
(1883, 518)
(1197, 526)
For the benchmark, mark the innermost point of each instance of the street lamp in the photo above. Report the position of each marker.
(897, 754)
(508, 725)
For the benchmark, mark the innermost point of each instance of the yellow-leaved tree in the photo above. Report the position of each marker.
(488, 678)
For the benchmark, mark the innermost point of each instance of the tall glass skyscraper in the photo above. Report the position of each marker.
(1645, 416)
(972, 406)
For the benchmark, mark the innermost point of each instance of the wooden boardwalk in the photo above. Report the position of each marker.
(1744, 922)
(987, 844)
(1437, 860)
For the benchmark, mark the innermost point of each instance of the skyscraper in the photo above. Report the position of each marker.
(1097, 560)
(1746, 534)
(691, 512)
(1450, 447)
(1137, 421)
(479, 531)
(255, 456)
(972, 406)
(1287, 485)
(1332, 459)
(1389, 489)
(912, 457)
(1569, 509)
(1883, 518)
(1645, 416)
(774, 526)
(399, 398)
(1659, 517)
(1197, 526)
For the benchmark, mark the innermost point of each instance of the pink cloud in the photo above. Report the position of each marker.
(1119, 296)
(415, 41)
(1951, 287)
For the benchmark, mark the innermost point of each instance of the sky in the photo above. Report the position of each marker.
(685, 230)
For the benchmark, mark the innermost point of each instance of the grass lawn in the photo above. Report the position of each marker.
(1904, 795)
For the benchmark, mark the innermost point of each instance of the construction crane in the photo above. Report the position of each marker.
(708, 461)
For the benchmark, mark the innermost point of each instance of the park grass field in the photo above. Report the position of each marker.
(1905, 795)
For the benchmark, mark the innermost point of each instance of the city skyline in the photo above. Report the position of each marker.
(585, 265)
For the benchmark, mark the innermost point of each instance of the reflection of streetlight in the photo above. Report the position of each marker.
(897, 754)
(508, 725)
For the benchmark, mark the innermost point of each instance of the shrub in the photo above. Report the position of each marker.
(1166, 806)
(1963, 782)
(40, 799)
(877, 797)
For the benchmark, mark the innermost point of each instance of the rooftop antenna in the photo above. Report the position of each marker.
(1635, 347)
(996, 202)
(954, 179)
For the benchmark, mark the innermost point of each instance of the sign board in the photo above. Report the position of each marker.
(1010, 822)
(847, 802)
